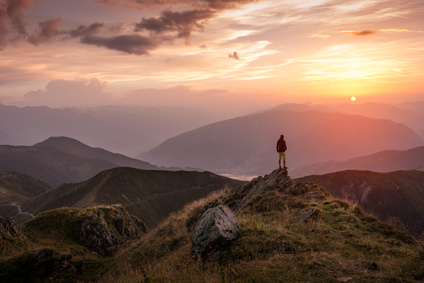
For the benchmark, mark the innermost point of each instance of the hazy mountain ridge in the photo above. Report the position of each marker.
(59, 160)
(151, 195)
(125, 129)
(384, 161)
(340, 243)
(246, 145)
(396, 197)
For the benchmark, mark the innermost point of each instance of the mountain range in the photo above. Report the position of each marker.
(61, 159)
(125, 129)
(246, 145)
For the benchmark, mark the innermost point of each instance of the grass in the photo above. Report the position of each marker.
(343, 243)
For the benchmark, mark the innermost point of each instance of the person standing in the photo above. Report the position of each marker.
(281, 149)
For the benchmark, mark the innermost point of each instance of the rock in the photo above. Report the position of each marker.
(277, 180)
(308, 213)
(9, 228)
(105, 237)
(215, 229)
(48, 264)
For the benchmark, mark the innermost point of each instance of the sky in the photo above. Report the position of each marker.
(212, 54)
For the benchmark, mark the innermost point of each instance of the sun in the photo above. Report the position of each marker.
(353, 99)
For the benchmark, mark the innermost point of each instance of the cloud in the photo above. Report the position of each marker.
(12, 23)
(394, 30)
(66, 93)
(140, 4)
(189, 16)
(234, 56)
(361, 33)
(132, 44)
(83, 30)
(47, 31)
(183, 23)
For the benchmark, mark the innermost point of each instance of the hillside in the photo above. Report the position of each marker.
(384, 161)
(246, 145)
(59, 160)
(396, 197)
(150, 195)
(275, 243)
(20, 185)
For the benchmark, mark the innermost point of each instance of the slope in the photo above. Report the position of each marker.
(340, 243)
(246, 145)
(150, 195)
(384, 161)
(397, 197)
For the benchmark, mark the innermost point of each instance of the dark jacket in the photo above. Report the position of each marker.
(281, 145)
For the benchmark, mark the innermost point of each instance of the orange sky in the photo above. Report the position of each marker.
(213, 54)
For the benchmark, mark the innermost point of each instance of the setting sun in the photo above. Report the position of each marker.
(353, 99)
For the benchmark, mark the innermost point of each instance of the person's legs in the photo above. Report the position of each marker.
(280, 154)
(284, 159)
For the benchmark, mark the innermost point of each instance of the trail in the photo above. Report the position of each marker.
(18, 206)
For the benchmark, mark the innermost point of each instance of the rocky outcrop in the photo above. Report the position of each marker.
(9, 228)
(216, 228)
(307, 214)
(277, 180)
(108, 230)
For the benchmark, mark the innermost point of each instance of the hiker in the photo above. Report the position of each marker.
(281, 149)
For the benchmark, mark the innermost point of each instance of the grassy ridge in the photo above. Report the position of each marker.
(342, 243)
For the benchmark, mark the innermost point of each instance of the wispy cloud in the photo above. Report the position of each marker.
(361, 33)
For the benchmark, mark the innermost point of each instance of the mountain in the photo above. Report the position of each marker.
(150, 195)
(125, 129)
(384, 161)
(58, 160)
(288, 231)
(246, 145)
(397, 197)
(77, 148)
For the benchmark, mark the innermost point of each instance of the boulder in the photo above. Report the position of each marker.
(105, 237)
(216, 228)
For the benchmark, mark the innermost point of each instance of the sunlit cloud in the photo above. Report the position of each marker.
(361, 33)
(394, 30)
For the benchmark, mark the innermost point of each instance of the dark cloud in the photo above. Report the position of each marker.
(227, 4)
(183, 23)
(163, 29)
(132, 44)
(234, 56)
(46, 31)
(85, 30)
(12, 23)
(361, 33)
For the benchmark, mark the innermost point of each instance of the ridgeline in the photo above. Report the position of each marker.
(288, 231)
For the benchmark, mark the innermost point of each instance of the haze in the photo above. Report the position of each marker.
(224, 56)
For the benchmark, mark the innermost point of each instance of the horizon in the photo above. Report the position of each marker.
(211, 55)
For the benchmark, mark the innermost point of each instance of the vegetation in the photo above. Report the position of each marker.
(342, 243)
